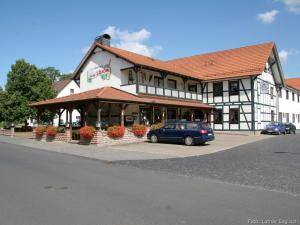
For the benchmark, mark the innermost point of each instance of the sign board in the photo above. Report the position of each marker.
(102, 71)
(264, 87)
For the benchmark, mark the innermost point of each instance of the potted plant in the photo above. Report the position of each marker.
(156, 126)
(116, 131)
(39, 131)
(139, 130)
(51, 131)
(87, 132)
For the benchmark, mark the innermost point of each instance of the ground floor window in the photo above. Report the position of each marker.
(272, 116)
(233, 116)
(294, 119)
(287, 117)
(218, 116)
(171, 115)
(280, 117)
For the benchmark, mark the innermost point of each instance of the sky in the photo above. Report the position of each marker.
(58, 33)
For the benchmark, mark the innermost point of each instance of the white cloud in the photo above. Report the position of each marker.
(85, 50)
(268, 17)
(292, 5)
(132, 41)
(284, 54)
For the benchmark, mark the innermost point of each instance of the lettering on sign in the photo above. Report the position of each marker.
(102, 71)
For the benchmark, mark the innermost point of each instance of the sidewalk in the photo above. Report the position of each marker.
(94, 152)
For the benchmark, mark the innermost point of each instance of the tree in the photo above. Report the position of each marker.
(66, 76)
(25, 84)
(52, 73)
(2, 101)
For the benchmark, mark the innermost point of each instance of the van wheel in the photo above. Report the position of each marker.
(189, 141)
(153, 138)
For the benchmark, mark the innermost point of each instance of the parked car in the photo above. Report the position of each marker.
(290, 128)
(189, 133)
(274, 128)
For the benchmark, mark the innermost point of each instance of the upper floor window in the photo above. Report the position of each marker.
(218, 89)
(298, 98)
(158, 82)
(287, 94)
(192, 87)
(218, 116)
(71, 91)
(172, 84)
(272, 116)
(130, 77)
(234, 87)
(233, 116)
(293, 96)
(272, 92)
(280, 93)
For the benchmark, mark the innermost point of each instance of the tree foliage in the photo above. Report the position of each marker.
(25, 84)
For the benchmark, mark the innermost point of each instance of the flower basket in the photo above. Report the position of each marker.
(156, 126)
(51, 131)
(39, 131)
(139, 130)
(87, 132)
(116, 131)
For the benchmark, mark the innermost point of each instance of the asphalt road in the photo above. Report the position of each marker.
(45, 188)
(272, 164)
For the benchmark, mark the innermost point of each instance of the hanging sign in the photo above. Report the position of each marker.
(102, 71)
(264, 87)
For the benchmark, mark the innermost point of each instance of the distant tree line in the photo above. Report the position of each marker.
(27, 84)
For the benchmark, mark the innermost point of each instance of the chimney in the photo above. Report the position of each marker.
(103, 39)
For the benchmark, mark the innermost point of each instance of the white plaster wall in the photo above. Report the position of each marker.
(65, 92)
(101, 57)
(290, 106)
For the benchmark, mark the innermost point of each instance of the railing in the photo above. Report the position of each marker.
(152, 90)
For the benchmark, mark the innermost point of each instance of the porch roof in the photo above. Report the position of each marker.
(116, 95)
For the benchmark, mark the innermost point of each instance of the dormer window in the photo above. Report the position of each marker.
(71, 91)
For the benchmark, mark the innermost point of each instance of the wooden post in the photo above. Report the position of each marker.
(109, 113)
(123, 107)
(67, 116)
(192, 115)
(163, 115)
(98, 107)
(153, 114)
(70, 111)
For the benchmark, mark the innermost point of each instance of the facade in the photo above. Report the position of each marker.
(235, 89)
(289, 102)
(65, 88)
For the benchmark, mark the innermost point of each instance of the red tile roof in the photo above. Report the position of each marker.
(293, 83)
(238, 62)
(113, 94)
(60, 85)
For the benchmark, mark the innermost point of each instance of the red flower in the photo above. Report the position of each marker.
(116, 131)
(39, 131)
(139, 130)
(51, 131)
(87, 132)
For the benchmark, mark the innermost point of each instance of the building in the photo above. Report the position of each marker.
(289, 102)
(65, 88)
(234, 89)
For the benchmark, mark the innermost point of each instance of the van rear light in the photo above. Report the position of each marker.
(203, 131)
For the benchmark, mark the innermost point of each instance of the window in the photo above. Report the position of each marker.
(218, 116)
(218, 89)
(287, 94)
(293, 96)
(298, 98)
(280, 117)
(192, 87)
(294, 118)
(272, 92)
(280, 93)
(158, 82)
(298, 118)
(272, 116)
(287, 117)
(172, 84)
(130, 77)
(71, 91)
(170, 126)
(233, 87)
(233, 116)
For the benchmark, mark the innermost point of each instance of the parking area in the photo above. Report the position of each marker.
(222, 142)
(272, 164)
